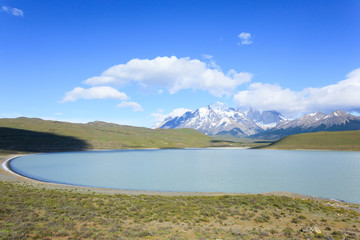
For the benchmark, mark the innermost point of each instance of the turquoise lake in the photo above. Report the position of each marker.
(328, 174)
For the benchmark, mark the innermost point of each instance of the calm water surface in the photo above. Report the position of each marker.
(326, 174)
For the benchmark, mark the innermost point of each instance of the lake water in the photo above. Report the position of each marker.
(328, 174)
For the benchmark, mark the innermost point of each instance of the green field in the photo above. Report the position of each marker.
(340, 141)
(28, 212)
(36, 135)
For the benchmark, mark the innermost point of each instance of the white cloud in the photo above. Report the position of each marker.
(344, 95)
(245, 38)
(159, 116)
(173, 74)
(209, 59)
(269, 97)
(135, 106)
(93, 93)
(13, 11)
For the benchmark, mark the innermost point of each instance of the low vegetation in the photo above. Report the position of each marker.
(340, 141)
(29, 212)
(252, 143)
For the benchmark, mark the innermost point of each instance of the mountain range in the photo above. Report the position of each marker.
(219, 119)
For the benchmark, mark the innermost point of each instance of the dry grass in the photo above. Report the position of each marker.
(27, 212)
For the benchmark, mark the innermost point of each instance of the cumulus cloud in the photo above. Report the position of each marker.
(93, 93)
(160, 116)
(133, 105)
(245, 38)
(344, 95)
(13, 11)
(209, 59)
(173, 74)
(269, 97)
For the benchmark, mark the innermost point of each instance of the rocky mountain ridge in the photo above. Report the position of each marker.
(219, 119)
(313, 122)
(213, 119)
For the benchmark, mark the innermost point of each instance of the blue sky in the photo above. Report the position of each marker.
(134, 62)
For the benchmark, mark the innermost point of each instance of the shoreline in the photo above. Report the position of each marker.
(16, 177)
(12, 176)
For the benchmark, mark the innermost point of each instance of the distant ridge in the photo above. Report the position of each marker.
(314, 122)
(219, 119)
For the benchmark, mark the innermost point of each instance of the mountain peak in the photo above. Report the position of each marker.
(219, 119)
(314, 115)
(213, 119)
(219, 106)
(267, 117)
(338, 113)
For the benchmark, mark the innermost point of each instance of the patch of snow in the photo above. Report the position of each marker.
(203, 112)
(224, 120)
(283, 118)
(266, 126)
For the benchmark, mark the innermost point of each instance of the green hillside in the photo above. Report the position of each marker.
(37, 135)
(342, 141)
(252, 143)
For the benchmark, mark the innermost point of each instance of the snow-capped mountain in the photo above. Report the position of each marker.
(215, 119)
(319, 119)
(162, 118)
(313, 122)
(219, 119)
(265, 119)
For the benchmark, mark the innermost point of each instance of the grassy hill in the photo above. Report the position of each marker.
(342, 141)
(37, 135)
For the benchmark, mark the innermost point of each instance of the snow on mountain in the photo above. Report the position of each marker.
(265, 119)
(161, 118)
(214, 119)
(305, 121)
(313, 122)
(219, 119)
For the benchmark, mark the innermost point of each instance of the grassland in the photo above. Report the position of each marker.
(255, 143)
(36, 135)
(340, 141)
(28, 212)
